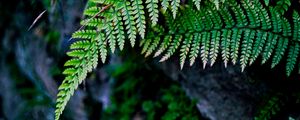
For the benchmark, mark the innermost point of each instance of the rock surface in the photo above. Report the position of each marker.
(222, 93)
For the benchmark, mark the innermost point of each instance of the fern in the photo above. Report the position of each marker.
(240, 31)
(129, 21)
(270, 108)
(138, 13)
(185, 48)
(174, 45)
(153, 11)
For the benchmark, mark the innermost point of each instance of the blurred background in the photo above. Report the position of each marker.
(129, 86)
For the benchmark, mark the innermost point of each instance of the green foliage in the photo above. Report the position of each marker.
(244, 30)
(269, 109)
(133, 95)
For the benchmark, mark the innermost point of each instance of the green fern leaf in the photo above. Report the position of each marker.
(92, 22)
(147, 43)
(153, 11)
(214, 47)
(165, 4)
(139, 16)
(236, 37)
(216, 18)
(205, 48)
(270, 45)
(109, 28)
(286, 26)
(175, 44)
(251, 13)
(276, 20)
(292, 58)
(258, 45)
(185, 48)
(280, 50)
(84, 34)
(119, 30)
(164, 45)
(76, 53)
(207, 19)
(296, 20)
(92, 11)
(225, 45)
(240, 15)
(267, 2)
(72, 62)
(197, 3)
(263, 16)
(69, 71)
(282, 6)
(196, 22)
(153, 46)
(195, 48)
(246, 48)
(229, 22)
(80, 44)
(129, 22)
(174, 7)
(102, 47)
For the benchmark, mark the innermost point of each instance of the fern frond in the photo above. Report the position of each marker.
(267, 2)
(165, 4)
(252, 14)
(205, 48)
(292, 58)
(171, 50)
(196, 20)
(296, 20)
(126, 10)
(282, 6)
(258, 45)
(239, 14)
(80, 44)
(109, 28)
(225, 45)
(214, 47)
(216, 18)
(153, 11)
(84, 34)
(92, 22)
(276, 20)
(92, 11)
(241, 30)
(139, 16)
(235, 44)
(174, 7)
(84, 60)
(195, 48)
(164, 45)
(229, 23)
(72, 62)
(246, 47)
(153, 46)
(263, 16)
(185, 49)
(197, 3)
(119, 30)
(280, 50)
(270, 45)
(102, 43)
(286, 26)
(147, 43)
(76, 53)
